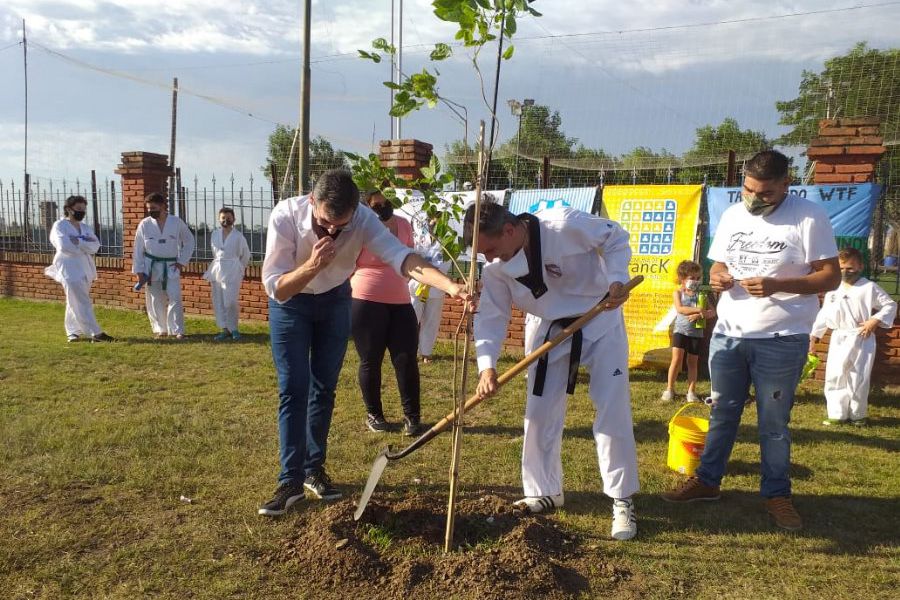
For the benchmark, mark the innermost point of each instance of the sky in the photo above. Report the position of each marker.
(621, 74)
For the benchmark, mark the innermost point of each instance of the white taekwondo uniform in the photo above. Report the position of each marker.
(155, 255)
(225, 274)
(850, 357)
(73, 267)
(427, 301)
(564, 276)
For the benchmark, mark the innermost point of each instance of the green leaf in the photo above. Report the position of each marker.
(392, 85)
(383, 45)
(507, 54)
(441, 51)
(376, 58)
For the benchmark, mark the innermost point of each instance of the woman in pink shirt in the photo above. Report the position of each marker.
(382, 317)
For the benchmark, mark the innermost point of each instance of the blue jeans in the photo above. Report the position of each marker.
(773, 366)
(309, 336)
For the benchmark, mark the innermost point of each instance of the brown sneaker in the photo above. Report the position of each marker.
(692, 490)
(784, 513)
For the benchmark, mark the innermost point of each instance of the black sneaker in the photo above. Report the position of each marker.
(319, 485)
(102, 337)
(73, 337)
(411, 426)
(376, 423)
(286, 496)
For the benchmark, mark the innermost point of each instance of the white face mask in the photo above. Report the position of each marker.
(517, 266)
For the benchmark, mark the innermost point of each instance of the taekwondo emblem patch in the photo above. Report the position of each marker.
(553, 270)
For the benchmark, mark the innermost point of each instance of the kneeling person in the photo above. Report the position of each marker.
(550, 266)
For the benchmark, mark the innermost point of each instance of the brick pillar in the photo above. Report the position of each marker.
(142, 173)
(406, 157)
(847, 150)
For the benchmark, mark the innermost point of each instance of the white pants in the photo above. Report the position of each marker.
(225, 301)
(607, 362)
(80, 318)
(428, 314)
(847, 374)
(164, 307)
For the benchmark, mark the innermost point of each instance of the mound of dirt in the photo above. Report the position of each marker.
(395, 551)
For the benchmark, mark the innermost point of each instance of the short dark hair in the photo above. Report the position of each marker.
(70, 202)
(227, 210)
(850, 253)
(491, 220)
(336, 192)
(688, 267)
(768, 165)
(156, 198)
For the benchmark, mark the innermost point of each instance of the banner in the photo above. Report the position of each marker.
(849, 206)
(532, 201)
(662, 223)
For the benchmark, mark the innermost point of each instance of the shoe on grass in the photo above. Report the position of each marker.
(692, 397)
(285, 496)
(102, 337)
(235, 335)
(667, 396)
(833, 422)
(411, 426)
(222, 336)
(859, 422)
(783, 512)
(376, 423)
(73, 337)
(319, 485)
(692, 490)
(624, 521)
(538, 504)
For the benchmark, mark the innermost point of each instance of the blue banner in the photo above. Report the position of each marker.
(533, 201)
(849, 206)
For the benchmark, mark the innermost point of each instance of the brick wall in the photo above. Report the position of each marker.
(847, 150)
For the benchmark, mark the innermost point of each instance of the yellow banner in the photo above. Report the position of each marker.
(662, 222)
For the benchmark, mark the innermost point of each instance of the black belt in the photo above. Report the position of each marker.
(540, 373)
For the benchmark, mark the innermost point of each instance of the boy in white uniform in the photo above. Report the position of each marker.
(231, 255)
(556, 266)
(73, 267)
(163, 246)
(852, 312)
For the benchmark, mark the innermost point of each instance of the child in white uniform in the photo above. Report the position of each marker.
(73, 267)
(225, 274)
(163, 246)
(852, 312)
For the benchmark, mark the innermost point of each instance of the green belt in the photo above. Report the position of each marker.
(160, 259)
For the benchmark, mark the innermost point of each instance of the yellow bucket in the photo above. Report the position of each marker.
(687, 437)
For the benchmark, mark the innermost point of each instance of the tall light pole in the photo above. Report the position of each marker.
(518, 110)
(303, 165)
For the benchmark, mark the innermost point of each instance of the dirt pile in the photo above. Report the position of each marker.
(395, 551)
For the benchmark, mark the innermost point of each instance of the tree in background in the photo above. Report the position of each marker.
(322, 156)
(865, 82)
(712, 144)
(539, 134)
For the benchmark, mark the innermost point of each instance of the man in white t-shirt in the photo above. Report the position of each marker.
(773, 253)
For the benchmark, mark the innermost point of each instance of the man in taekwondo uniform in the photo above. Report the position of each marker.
(556, 266)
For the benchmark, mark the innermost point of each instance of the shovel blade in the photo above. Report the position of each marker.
(374, 475)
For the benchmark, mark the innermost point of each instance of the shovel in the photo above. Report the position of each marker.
(386, 455)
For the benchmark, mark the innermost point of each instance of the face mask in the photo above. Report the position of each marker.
(78, 215)
(154, 213)
(226, 222)
(849, 275)
(692, 285)
(757, 206)
(384, 211)
(517, 266)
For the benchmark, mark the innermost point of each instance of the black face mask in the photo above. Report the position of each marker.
(384, 211)
(154, 213)
(226, 223)
(849, 275)
(78, 215)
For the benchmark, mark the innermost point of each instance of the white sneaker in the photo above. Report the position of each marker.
(692, 397)
(537, 504)
(624, 522)
(667, 396)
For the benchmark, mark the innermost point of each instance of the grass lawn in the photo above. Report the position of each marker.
(98, 443)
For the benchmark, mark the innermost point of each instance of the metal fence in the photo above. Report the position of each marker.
(28, 214)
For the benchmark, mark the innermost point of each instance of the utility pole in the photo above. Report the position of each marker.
(172, 192)
(396, 64)
(304, 99)
(490, 150)
(27, 178)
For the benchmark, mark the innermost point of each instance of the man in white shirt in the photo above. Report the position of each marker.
(163, 246)
(556, 266)
(311, 250)
(773, 252)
